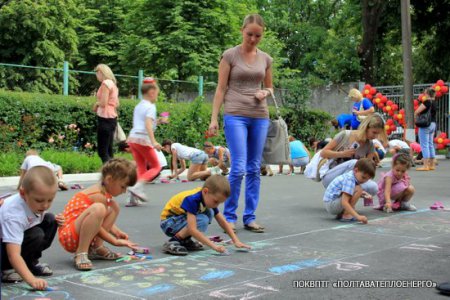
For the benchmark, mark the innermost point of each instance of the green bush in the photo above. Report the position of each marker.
(30, 120)
(71, 162)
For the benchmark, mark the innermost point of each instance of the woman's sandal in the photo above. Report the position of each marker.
(84, 264)
(253, 227)
(107, 254)
(174, 248)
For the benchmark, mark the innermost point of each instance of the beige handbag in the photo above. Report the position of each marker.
(119, 134)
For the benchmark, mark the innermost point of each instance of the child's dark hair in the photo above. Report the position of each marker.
(335, 123)
(120, 168)
(166, 142)
(367, 166)
(403, 159)
(218, 184)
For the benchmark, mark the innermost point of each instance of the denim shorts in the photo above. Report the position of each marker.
(300, 162)
(200, 158)
(174, 224)
(334, 207)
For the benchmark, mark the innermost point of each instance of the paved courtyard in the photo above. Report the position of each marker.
(304, 254)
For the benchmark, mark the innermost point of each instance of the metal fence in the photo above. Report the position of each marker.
(395, 94)
(63, 80)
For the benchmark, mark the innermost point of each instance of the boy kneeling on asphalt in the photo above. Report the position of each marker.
(26, 229)
(188, 215)
(344, 191)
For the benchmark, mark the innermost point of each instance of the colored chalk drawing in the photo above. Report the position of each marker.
(298, 265)
(217, 275)
(244, 292)
(52, 295)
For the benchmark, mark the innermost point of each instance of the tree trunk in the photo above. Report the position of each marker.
(371, 13)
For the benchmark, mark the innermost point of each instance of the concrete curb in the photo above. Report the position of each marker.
(84, 177)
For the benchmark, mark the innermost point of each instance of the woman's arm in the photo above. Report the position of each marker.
(420, 109)
(102, 100)
(328, 152)
(222, 85)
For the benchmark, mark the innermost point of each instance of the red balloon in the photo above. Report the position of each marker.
(394, 107)
(367, 87)
(391, 113)
(444, 89)
(373, 90)
(389, 121)
(393, 128)
(440, 82)
(443, 135)
(396, 117)
(384, 99)
(446, 141)
(438, 94)
(384, 109)
(416, 102)
(440, 146)
(402, 111)
(380, 105)
(369, 96)
(389, 103)
(379, 95)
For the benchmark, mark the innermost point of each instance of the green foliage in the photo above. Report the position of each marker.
(31, 120)
(36, 33)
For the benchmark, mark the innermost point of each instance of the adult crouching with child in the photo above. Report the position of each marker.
(350, 145)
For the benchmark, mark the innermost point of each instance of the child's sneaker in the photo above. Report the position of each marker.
(131, 200)
(191, 245)
(138, 191)
(11, 276)
(215, 171)
(41, 269)
(408, 207)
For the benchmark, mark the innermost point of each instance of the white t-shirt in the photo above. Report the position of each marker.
(378, 145)
(145, 109)
(15, 218)
(398, 143)
(34, 161)
(185, 152)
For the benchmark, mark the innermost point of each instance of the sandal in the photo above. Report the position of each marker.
(232, 227)
(253, 227)
(191, 245)
(62, 186)
(84, 264)
(174, 248)
(95, 254)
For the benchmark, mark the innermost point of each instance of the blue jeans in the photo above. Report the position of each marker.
(426, 135)
(174, 224)
(245, 138)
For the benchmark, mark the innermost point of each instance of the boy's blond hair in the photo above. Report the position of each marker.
(31, 152)
(38, 175)
(218, 184)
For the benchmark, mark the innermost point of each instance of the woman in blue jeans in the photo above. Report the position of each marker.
(426, 134)
(245, 80)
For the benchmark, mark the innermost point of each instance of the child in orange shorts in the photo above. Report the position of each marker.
(91, 215)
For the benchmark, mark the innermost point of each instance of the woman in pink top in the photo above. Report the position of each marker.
(245, 80)
(106, 109)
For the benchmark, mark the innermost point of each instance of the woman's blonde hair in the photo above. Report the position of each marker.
(253, 18)
(374, 121)
(106, 71)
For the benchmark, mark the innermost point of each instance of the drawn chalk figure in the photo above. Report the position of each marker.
(421, 247)
(345, 266)
(243, 292)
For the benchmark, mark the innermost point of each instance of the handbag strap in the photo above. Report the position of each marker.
(275, 102)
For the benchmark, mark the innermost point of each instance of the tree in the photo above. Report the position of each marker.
(36, 33)
(179, 39)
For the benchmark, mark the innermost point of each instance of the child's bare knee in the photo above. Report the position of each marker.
(411, 190)
(98, 209)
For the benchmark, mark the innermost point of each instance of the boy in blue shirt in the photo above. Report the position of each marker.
(26, 229)
(188, 214)
(344, 191)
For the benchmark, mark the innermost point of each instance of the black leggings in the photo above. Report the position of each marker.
(35, 240)
(105, 137)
